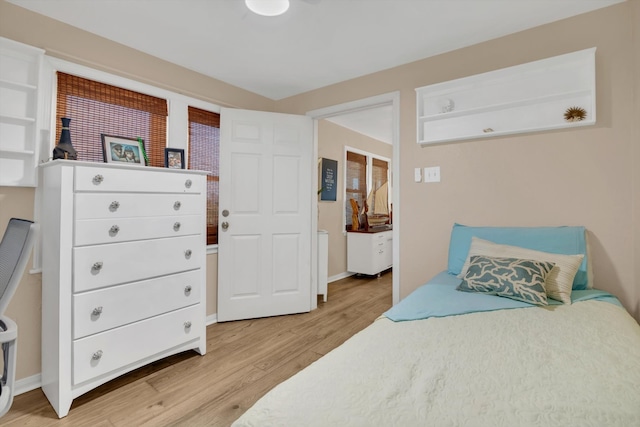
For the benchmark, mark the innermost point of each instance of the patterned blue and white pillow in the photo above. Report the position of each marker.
(518, 279)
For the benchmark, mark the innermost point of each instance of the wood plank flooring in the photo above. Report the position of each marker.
(244, 360)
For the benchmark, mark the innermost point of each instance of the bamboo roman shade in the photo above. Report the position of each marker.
(96, 108)
(379, 170)
(356, 183)
(204, 154)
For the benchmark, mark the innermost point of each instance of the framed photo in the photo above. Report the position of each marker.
(118, 149)
(174, 158)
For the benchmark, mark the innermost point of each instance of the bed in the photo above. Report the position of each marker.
(447, 355)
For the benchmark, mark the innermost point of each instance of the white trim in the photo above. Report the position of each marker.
(339, 277)
(25, 385)
(393, 99)
(211, 319)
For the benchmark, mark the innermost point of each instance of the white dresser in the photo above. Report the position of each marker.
(123, 280)
(369, 252)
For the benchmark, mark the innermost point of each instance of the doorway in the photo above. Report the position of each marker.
(391, 100)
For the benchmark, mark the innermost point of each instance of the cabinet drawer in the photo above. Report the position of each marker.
(99, 266)
(125, 205)
(107, 351)
(97, 311)
(134, 180)
(97, 231)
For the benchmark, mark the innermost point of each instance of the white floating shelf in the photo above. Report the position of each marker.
(523, 98)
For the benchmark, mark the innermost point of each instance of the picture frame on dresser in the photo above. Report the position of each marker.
(120, 149)
(174, 158)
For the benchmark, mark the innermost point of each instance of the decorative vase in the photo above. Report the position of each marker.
(64, 149)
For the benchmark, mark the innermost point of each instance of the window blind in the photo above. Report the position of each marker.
(356, 183)
(379, 170)
(97, 108)
(204, 154)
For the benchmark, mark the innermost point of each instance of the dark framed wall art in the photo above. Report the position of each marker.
(328, 180)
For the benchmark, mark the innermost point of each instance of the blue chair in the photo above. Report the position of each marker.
(15, 250)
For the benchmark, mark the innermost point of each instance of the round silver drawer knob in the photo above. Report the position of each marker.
(187, 289)
(114, 206)
(187, 253)
(177, 205)
(187, 324)
(97, 311)
(97, 266)
(114, 230)
(97, 355)
(188, 183)
(98, 179)
(176, 226)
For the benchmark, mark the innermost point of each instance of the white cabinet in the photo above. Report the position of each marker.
(369, 252)
(20, 66)
(524, 98)
(123, 280)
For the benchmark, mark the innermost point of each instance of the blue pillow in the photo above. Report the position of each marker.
(568, 240)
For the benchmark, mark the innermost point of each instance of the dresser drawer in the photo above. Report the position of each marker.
(125, 205)
(103, 265)
(102, 353)
(97, 231)
(136, 180)
(108, 308)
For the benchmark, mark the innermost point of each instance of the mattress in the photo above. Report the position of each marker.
(560, 365)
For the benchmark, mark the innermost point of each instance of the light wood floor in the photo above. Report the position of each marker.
(244, 360)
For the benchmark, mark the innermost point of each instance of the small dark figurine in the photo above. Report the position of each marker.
(64, 149)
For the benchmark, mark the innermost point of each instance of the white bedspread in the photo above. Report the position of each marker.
(569, 365)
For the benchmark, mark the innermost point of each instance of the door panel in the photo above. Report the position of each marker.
(264, 255)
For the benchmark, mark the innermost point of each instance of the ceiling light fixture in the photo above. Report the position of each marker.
(268, 7)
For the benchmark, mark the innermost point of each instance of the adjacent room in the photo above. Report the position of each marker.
(321, 213)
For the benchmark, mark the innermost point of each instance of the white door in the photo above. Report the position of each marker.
(264, 232)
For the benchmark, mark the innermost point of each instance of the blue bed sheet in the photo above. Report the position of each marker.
(439, 298)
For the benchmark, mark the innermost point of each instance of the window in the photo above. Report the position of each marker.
(379, 173)
(356, 185)
(204, 154)
(365, 174)
(96, 108)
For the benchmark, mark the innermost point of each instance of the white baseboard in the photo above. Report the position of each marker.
(212, 319)
(27, 384)
(339, 276)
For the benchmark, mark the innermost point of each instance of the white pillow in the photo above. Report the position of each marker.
(559, 281)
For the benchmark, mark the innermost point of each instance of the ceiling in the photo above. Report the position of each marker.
(315, 44)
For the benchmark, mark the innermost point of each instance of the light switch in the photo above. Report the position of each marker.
(417, 174)
(432, 174)
(435, 174)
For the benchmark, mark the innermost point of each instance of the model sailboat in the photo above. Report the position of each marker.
(377, 207)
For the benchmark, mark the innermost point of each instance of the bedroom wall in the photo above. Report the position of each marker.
(584, 176)
(332, 139)
(69, 43)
